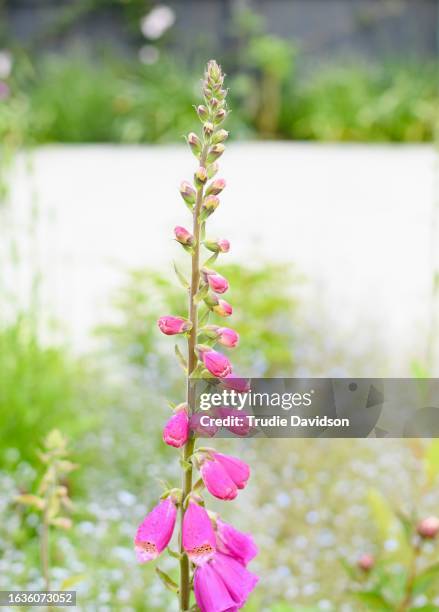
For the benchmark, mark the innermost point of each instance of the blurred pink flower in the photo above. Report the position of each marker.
(217, 283)
(223, 308)
(217, 363)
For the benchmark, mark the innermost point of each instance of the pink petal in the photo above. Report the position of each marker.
(237, 544)
(155, 532)
(217, 481)
(176, 430)
(198, 536)
(238, 471)
(238, 580)
(211, 593)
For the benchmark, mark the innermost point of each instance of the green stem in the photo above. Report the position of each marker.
(45, 549)
(185, 583)
(408, 595)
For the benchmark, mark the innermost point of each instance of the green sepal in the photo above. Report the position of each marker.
(211, 259)
(201, 294)
(167, 580)
(181, 358)
(185, 465)
(184, 283)
(173, 553)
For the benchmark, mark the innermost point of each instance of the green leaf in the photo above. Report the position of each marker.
(212, 259)
(182, 279)
(181, 358)
(167, 580)
(173, 553)
(426, 578)
(204, 317)
(374, 601)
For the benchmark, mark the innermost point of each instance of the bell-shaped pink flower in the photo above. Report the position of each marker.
(217, 480)
(238, 580)
(237, 544)
(223, 308)
(155, 532)
(183, 236)
(238, 471)
(227, 337)
(241, 385)
(211, 593)
(217, 363)
(198, 536)
(171, 325)
(241, 423)
(203, 426)
(176, 430)
(217, 283)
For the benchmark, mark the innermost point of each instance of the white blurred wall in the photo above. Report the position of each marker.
(355, 221)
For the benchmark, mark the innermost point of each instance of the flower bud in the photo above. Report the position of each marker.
(201, 175)
(205, 428)
(208, 128)
(215, 104)
(366, 562)
(216, 187)
(171, 325)
(215, 152)
(223, 308)
(213, 71)
(220, 115)
(202, 112)
(195, 144)
(217, 283)
(220, 136)
(428, 528)
(212, 169)
(227, 337)
(188, 193)
(210, 204)
(217, 363)
(211, 300)
(240, 385)
(183, 236)
(217, 246)
(176, 430)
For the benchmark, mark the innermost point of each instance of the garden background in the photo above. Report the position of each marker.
(332, 211)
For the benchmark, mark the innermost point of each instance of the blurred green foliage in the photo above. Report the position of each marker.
(264, 314)
(41, 387)
(125, 101)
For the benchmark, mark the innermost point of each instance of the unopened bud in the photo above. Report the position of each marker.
(201, 175)
(202, 112)
(208, 128)
(215, 104)
(220, 136)
(195, 144)
(211, 300)
(213, 71)
(188, 193)
(366, 562)
(223, 308)
(212, 169)
(220, 115)
(216, 187)
(221, 94)
(215, 152)
(428, 528)
(183, 236)
(217, 246)
(210, 204)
